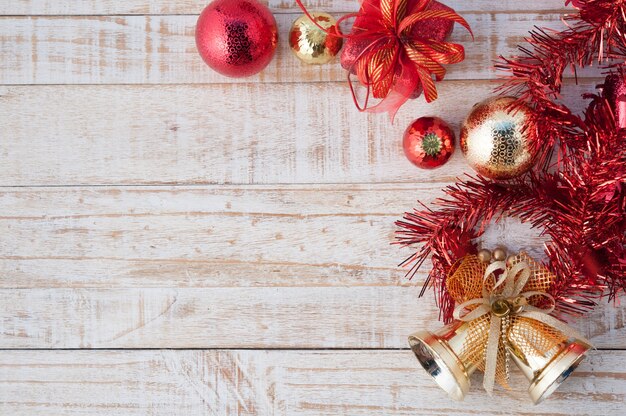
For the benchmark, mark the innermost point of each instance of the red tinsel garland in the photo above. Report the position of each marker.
(594, 33)
(579, 201)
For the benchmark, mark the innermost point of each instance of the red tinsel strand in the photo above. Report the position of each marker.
(594, 177)
(448, 233)
(580, 207)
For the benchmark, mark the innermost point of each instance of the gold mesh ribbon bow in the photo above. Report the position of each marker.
(504, 302)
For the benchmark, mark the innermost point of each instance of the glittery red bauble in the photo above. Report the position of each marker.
(428, 142)
(615, 92)
(236, 38)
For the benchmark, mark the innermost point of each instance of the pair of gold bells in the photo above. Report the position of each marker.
(545, 355)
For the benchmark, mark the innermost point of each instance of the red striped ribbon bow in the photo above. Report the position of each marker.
(400, 50)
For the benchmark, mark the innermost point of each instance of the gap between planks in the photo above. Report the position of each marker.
(285, 349)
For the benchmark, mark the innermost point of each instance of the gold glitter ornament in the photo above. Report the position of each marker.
(312, 45)
(495, 141)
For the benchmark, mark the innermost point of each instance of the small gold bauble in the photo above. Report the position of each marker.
(519, 303)
(312, 45)
(501, 308)
(498, 142)
(484, 255)
(499, 254)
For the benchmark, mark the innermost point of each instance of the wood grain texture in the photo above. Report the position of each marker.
(220, 267)
(218, 236)
(315, 383)
(162, 50)
(151, 7)
(221, 236)
(260, 317)
(229, 133)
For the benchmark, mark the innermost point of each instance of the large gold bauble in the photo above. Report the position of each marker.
(312, 45)
(498, 142)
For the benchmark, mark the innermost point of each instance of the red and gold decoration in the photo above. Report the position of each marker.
(397, 49)
(428, 142)
(498, 142)
(236, 38)
(310, 43)
(575, 196)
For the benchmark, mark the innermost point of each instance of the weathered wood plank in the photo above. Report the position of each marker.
(161, 50)
(208, 266)
(203, 237)
(147, 7)
(242, 133)
(259, 317)
(208, 230)
(218, 236)
(277, 383)
(299, 266)
(274, 317)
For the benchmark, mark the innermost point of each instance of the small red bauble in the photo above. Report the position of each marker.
(428, 142)
(236, 38)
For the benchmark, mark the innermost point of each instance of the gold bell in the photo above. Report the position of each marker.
(545, 368)
(441, 355)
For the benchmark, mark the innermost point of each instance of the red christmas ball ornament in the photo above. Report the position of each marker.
(614, 90)
(428, 142)
(236, 38)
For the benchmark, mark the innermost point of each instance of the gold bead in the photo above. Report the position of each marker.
(499, 254)
(312, 45)
(484, 255)
(510, 260)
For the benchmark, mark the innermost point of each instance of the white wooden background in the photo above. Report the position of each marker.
(173, 242)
